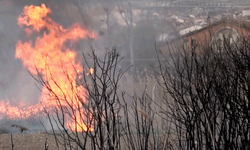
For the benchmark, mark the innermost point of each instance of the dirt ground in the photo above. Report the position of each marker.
(24, 141)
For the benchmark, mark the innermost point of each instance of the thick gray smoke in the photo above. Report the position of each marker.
(16, 85)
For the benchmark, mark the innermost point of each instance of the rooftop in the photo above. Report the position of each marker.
(240, 23)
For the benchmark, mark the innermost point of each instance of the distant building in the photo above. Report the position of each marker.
(190, 29)
(214, 33)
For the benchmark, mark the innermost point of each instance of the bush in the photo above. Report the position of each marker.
(209, 89)
(4, 131)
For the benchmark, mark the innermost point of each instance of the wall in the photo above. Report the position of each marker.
(205, 35)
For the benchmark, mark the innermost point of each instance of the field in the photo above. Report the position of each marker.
(23, 141)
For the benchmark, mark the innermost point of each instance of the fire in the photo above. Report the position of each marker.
(17, 112)
(52, 58)
(91, 70)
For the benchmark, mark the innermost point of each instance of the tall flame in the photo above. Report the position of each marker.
(49, 52)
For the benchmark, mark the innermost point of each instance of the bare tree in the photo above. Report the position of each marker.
(127, 15)
(209, 88)
(143, 131)
(93, 109)
(100, 115)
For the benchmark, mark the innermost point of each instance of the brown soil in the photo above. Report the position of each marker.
(27, 141)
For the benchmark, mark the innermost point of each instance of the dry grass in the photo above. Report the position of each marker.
(27, 141)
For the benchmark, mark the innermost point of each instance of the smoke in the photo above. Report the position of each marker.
(15, 82)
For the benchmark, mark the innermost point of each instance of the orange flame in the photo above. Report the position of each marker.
(17, 112)
(91, 70)
(49, 53)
